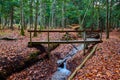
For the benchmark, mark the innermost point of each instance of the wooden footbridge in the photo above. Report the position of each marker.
(65, 41)
(84, 40)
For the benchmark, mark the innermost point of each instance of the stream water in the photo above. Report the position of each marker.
(62, 72)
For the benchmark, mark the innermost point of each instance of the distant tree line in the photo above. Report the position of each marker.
(59, 13)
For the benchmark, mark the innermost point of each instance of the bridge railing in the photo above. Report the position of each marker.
(67, 41)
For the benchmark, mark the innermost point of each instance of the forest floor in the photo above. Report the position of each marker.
(13, 53)
(105, 63)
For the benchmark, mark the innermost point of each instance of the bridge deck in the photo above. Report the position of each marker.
(66, 42)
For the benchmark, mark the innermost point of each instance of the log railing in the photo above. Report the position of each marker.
(66, 41)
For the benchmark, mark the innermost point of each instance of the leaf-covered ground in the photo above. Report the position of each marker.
(14, 53)
(105, 64)
(43, 70)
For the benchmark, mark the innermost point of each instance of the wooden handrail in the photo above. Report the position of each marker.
(67, 42)
(64, 30)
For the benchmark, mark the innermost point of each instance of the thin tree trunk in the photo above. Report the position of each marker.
(0, 23)
(99, 17)
(93, 24)
(31, 14)
(24, 22)
(5, 22)
(41, 14)
(44, 16)
(63, 12)
(53, 14)
(110, 14)
(22, 18)
(0, 16)
(11, 17)
(36, 18)
(107, 22)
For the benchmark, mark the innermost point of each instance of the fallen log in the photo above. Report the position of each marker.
(9, 39)
(26, 62)
(82, 64)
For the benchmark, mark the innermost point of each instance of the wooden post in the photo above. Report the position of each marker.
(30, 36)
(101, 35)
(67, 36)
(48, 43)
(84, 37)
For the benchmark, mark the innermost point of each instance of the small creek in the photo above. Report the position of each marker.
(62, 72)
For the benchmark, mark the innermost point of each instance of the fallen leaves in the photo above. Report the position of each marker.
(14, 53)
(104, 65)
(41, 70)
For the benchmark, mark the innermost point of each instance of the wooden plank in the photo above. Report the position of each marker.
(65, 42)
(30, 37)
(63, 30)
(84, 37)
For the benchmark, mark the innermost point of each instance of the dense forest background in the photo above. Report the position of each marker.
(59, 13)
(39, 39)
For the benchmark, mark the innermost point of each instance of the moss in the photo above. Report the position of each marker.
(3, 75)
(2, 33)
(34, 55)
(53, 46)
(22, 32)
(29, 44)
(67, 37)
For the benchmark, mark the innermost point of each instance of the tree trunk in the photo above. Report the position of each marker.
(110, 14)
(53, 14)
(36, 18)
(24, 22)
(0, 16)
(31, 14)
(93, 23)
(41, 14)
(0, 23)
(22, 19)
(99, 27)
(6, 20)
(11, 17)
(63, 15)
(107, 22)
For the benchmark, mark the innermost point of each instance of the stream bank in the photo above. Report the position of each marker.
(62, 72)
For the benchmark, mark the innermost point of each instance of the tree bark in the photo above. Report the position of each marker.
(110, 14)
(36, 18)
(42, 16)
(63, 16)
(53, 14)
(31, 14)
(107, 20)
(0, 23)
(93, 23)
(11, 17)
(22, 18)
